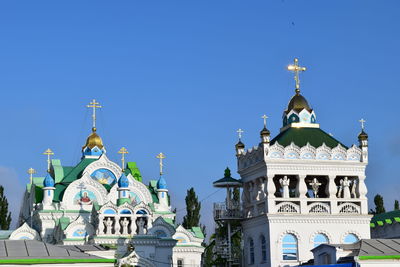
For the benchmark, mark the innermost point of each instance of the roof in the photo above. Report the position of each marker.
(36, 252)
(366, 249)
(385, 218)
(5, 234)
(134, 171)
(197, 232)
(301, 136)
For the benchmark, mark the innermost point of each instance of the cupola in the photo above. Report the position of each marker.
(94, 145)
(123, 181)
(48, 181)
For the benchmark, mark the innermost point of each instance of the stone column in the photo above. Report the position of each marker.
(133, 225)
(117, 225)
(361, 192)
(301, 189)
(100, 229)
(270, 190)
(149, 222)
(332, 188)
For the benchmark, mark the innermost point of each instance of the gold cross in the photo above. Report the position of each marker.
(49, 153)
(265, 117)
(123, 151)
(161, 156)
(296, 69)
(31, 172)
(362, 123)
(94, 105)
(240, 131)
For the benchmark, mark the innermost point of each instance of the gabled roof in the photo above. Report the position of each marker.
(197, 232)
(301, 136)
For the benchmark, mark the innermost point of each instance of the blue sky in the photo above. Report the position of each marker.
(181, 76)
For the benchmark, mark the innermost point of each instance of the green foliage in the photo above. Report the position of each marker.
(396, 205)
(193, 206)
(5, 216)
(379, 206)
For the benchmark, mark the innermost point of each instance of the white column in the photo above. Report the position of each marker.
(361, 192)
(133, 225)
(100, 229)
(117, 225)
(302, 191)
(270, 189)
(332, 194)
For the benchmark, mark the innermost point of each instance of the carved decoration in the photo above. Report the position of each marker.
(25, 232)
(287, 207)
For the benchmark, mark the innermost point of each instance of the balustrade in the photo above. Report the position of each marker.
(123, 225)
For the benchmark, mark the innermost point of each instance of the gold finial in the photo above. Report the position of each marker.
(240, 131)
(161, 156)
(123, 151)
(362, 121)
(265, 117)
(94, 105)
(31, 172)
(49, 153)
(296, 69)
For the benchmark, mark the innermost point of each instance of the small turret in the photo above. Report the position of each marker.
(363, 141)
(162, 192)
(265, 133)
(48, 191)
(123, 190)
(239, 146)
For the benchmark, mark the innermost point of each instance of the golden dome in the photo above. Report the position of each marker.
(93, 140)
(298, 103)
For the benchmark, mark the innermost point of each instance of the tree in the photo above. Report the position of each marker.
(379, 206)
(193, 206)
(396, 205)
(5, 216)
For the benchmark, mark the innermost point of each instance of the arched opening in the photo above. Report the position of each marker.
(320, 239)
(289, 247)
(350, 239)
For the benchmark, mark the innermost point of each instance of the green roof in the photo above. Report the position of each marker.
(153, 190)
(301, 136)
(197, 232)
(134, 170)
(63, 222)
(386, 218)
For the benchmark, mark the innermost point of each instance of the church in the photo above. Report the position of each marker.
(99, 202)
(301, 188)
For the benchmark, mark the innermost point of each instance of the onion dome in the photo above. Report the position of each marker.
(161, 183)
(48, 181)
(363, 135)
(123, 181)
(298, 103)
(265, 131)
(93, 140)
(239, 145)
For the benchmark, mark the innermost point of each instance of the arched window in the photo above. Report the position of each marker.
(350, 239)
(251, 251)
(289, 247)
(320, 239)
(263, 249)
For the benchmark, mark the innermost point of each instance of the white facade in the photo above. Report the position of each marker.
(296, 197)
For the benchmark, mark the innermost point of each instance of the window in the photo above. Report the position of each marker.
(263, 249)
(320, 239)
(180, 263)
(350, 239)
(251, 251)
(289, 247)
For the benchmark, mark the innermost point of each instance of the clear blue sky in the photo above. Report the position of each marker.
(181, 76)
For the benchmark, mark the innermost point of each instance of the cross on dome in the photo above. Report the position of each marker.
(161, 156)
(296, 69)
(49, 153)
(31, 172)
(94, 105)
(265, 117)
(362, 121)
(240, 131)
(123, 151)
